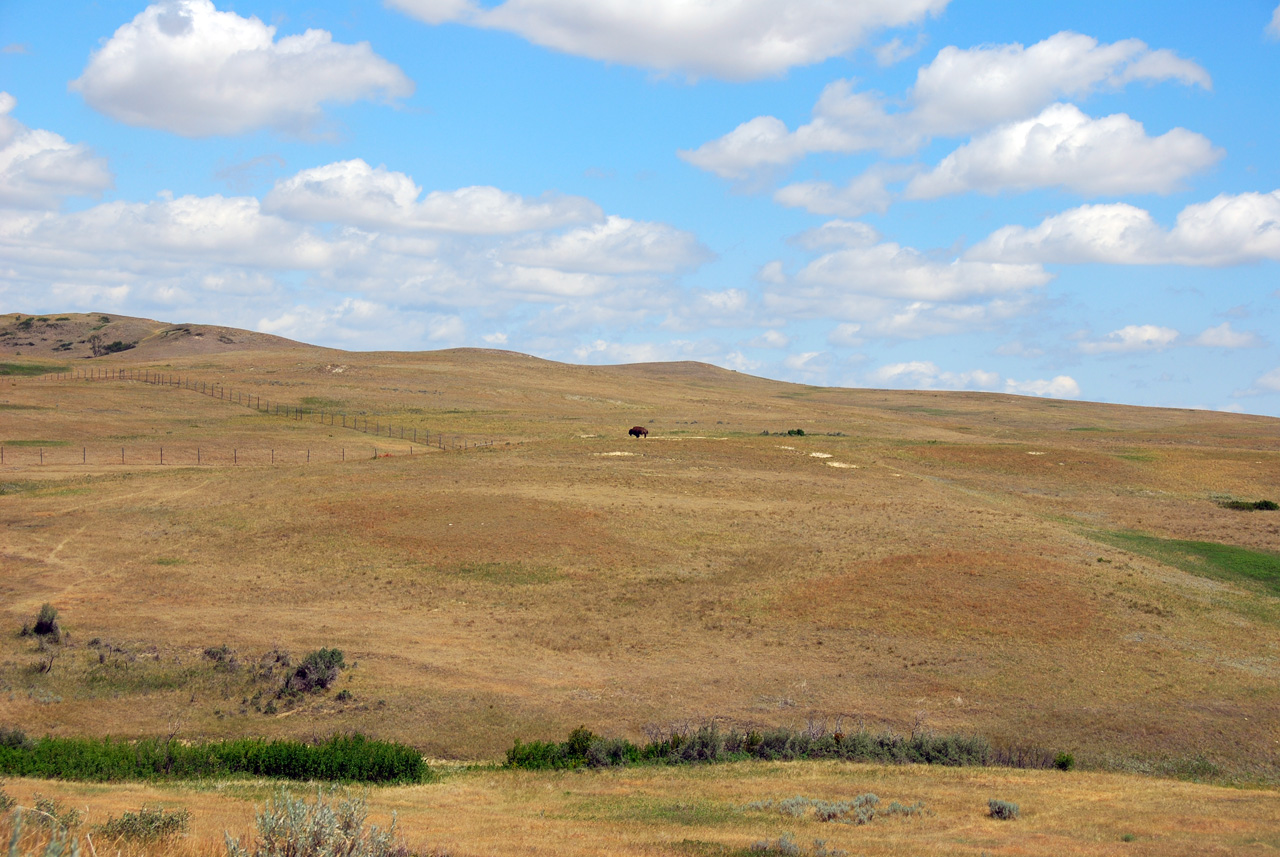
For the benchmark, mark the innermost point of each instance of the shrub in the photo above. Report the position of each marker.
(317, 671)
(1266, 505)
(46, 625)
(49, 812)
(14, 739)
(1064, 761)
(334, 826)
(1251, 505)
(145, 824)
(796, 432)
(6, 800)
(1002, 809)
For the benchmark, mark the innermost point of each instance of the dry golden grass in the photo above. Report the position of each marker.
(704, 811)
(944, 574)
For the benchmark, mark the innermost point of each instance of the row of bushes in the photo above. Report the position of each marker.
(710, 744)
(343, 758)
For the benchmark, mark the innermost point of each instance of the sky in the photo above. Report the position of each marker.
(1074, 200)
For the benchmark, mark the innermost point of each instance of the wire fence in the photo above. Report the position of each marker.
(363, 423)
(55, 454)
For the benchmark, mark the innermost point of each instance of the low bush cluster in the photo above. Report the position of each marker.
(145, 825)
(787, 845)
(336, 825)
(45, 626)
(343, 758)
(709, 744)
(1251, 505)
(1002, 809)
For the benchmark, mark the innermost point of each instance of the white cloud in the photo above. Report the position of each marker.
(602, 351)
(352, 192)
(838, 233)
(960, 92)
(865, 193)
(495, 338)
(771, 339)
(1058, 387)
(926, 375)
(1222, 336)
(1227, 230)
(893, 271)
(185, 67)
(846, 335)
(1131, 338)
(729, 39)
(1268, 383)
(1062, 147)
(39, 168)
(616, 246)
(1273, 29)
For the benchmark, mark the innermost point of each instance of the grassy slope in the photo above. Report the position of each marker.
(949, 574)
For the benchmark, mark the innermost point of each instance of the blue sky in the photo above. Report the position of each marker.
(1075, 200)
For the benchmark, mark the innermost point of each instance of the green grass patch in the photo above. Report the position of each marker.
(35, 443)
(8, 407)
(321, 402)
(1206, 559)
(1137, 456)
(170, 560)
(506, 573)
(343, 758)
(29, 369)
(1089, 428)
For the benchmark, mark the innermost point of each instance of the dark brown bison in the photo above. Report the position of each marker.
(638, 431)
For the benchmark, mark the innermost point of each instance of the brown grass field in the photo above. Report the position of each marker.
(915, 560)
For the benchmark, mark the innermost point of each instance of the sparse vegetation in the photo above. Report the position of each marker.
(45, 626)
(335, 825)
(317, 671)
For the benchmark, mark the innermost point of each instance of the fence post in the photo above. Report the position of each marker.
(344, 453)
(42, 455)
(273, 456)
(162, 456)
(84, 455)
(235, 456)
(197, 456)
(122, 455)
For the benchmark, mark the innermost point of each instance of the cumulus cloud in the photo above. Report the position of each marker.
(1131, 338)
(728, 39)
(352, 192)
(926, 375)
(1268, 383)
(865, 193)
(39, 168)
(1227, 230)
(893, 271)
(838, 233)
(1062, 147)
(1223, 336)
(616, 246)
(959, 92)
(771, 339)
(185, 67)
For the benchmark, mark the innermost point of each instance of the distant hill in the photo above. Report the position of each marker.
(72, 336)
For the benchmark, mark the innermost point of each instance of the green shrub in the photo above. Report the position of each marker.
(1002, 809)
(1064, 761)
(49, 812)
(334, 826)
(14, 739)
(46, 625)
(317, 671)
(343, 758)
(1266, 505)
(145, 824)
(796, 432)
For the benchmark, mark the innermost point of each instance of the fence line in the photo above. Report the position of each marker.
(190, 455)
(249, 400)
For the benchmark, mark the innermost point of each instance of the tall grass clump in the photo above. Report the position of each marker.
(145, 825)
(342, 758)
(336, 825)
(709, 743)
(41, 842)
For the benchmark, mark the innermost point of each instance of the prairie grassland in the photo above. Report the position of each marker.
(727, 809)
(932, 560)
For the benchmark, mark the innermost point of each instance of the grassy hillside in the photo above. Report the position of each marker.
(949, 561)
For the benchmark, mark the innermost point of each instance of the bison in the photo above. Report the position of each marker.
(638, 431)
